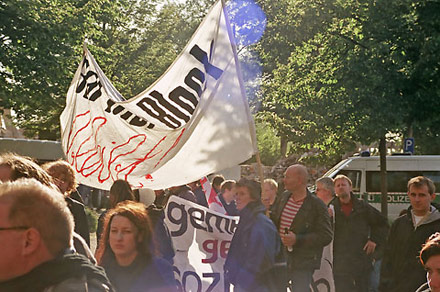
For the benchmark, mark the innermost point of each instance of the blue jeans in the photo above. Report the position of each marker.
(375, 276)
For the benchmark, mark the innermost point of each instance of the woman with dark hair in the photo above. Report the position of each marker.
(119, 191)
(125, 251)
(255, 244)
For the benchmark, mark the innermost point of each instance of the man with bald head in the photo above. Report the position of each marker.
(304, 226)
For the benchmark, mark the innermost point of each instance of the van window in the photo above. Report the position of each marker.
(355, 177)
(435, 177)
(398, 180)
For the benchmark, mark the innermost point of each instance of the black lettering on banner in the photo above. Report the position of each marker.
(139, 122)
(192, 212)
(202, 57)
(163, 102)
(182, 286)
(126, 115)
(118, 109)
(186, 274)
(215, 277)
(218, 221)
(178, 284)
(110, 103)
(176, 95)
(232, 227)
(182, 221)
(160, 114)
(135, 121)
(90, 82)
(189, 80)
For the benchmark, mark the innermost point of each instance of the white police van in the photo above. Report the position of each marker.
(364, 172)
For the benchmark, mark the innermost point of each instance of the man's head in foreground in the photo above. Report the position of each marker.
(35, 226)
(430, 258)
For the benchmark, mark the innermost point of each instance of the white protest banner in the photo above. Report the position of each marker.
(201, 238)
(323, 277)
(194, 120)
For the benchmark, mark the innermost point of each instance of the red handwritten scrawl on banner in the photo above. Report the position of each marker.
(119, 161)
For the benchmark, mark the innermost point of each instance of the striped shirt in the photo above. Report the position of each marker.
(289, 212)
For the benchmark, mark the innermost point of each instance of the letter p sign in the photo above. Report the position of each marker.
(409, 145)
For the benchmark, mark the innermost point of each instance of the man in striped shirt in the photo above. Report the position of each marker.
(304, 226)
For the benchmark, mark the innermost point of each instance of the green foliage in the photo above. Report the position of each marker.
(92, 219)
(355, 71)
(335, 72)
(268, 142)
(41, 44)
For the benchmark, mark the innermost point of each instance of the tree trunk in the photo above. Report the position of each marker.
(383, 176)
(283, 146)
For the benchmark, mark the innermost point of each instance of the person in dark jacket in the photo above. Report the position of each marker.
(430, 259)
(255, 243)
(304, 225)
(184, 192)
(35, 234)
(197, 189)
(63, 176)
(360, 235)
(126, 255)
(227, 197)
(406, 237)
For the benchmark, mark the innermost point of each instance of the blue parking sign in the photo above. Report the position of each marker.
(409, 145)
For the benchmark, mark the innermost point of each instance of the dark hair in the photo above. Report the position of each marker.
(217, 180)
(253, 186)
(227, 185)
(24, 167)
(120, 191)
(138, 215)
(430, 248)
(420, 181)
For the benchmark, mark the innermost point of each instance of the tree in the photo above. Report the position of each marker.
(353, 76)
(41, 45)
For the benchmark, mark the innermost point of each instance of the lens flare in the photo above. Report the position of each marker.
(248, 21)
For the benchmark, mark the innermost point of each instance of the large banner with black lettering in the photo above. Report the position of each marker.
(194, 120)
(201, 238)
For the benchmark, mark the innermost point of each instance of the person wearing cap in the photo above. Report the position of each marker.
(304, 225)
(255, 243)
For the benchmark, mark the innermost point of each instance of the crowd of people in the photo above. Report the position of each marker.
(278, 243)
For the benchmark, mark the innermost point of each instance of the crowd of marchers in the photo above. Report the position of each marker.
(283, 241)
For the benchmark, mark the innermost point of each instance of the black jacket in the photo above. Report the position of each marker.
(79, 216)
(312, 227)
(352, 233)
(69, 272)
(402, 250)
